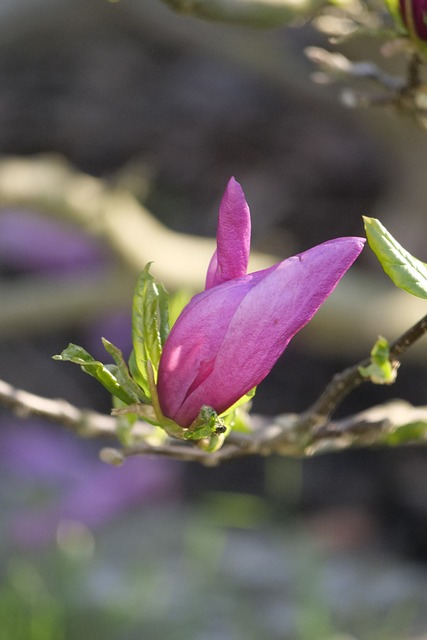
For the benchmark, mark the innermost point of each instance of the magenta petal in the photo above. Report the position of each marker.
(231, 258)
(229, 337)
(195, 338)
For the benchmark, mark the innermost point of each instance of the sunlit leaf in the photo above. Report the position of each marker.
(150, 327)
(123, 376)
(380, 370)
(107, 375)
(407, 273)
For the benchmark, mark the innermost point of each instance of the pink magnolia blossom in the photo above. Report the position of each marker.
(228, 337)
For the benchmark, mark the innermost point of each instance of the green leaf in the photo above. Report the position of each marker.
(163, 311)
(381, 370)
(107, 375)
(236, 418)
(137, 376)
(123, 376)
(150, 327)
(407, 273)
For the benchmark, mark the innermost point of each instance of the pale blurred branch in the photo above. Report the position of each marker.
(254, 13)
(359, 308)
(49, 185)
(86, 424)
(302, 435)
(345, 382)
(37, 303)
(406, 93)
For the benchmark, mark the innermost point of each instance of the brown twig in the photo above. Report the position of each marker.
(290, 434)
(87, 424)
(346, 381)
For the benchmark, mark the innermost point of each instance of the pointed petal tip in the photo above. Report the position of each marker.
(233, 186)
(352, 243)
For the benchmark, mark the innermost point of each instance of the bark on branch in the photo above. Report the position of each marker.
(307, 434)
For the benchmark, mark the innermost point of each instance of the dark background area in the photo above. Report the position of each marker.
(109, 84)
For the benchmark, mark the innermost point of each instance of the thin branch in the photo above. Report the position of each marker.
(87, 424)
(290, 434)
(255, 13)
(48, 184)
(407, 339)
(346, 381)
(51, 186)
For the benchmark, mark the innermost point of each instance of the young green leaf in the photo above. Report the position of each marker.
(150, 326)
(137, 375)
(123, 376)
(241, 402)
(407, 273)
(380, 370)
(163, 303)
(107, 375)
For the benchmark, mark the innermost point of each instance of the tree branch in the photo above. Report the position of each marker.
(48, 184)
(86, 424)
(346, 381)
(255, 13)
(294, 435)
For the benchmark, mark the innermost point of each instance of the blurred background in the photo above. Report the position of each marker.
(115, 115)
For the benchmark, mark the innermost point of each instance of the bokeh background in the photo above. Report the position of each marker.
(167, 108)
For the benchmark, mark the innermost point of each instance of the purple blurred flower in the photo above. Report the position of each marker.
(70, 486)
(228, 337)
(30, 242)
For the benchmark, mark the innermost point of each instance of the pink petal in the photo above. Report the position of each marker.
(229, 337)
(231, 258)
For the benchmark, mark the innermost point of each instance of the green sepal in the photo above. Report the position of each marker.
(207, 424)
(237, 420)
(107, 375)
(150, 327)
(123, 376)
(246, 399)
(407, 273)
(381, 370)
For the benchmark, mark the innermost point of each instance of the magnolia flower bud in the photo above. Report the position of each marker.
(228, 337)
